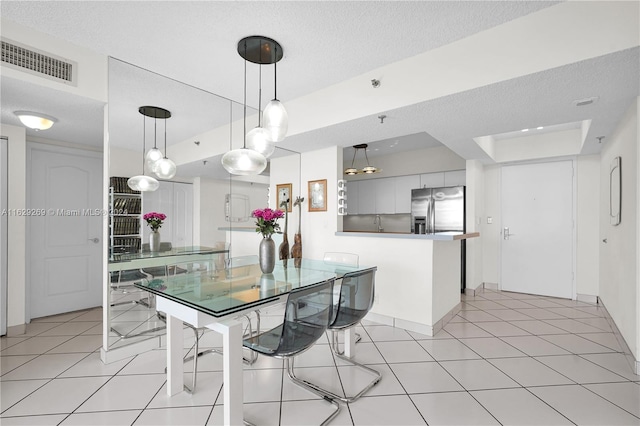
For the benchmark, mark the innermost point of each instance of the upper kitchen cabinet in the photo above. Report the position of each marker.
(403, 187)
(352, 197)
(455, 178)
(432, 180)
(366, 196)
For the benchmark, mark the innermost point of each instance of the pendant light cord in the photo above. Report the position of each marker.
(275, 75)
(366, 156)
(144, 139)
(355, 151)
(165, 138)
(259, 95)
(244, 144)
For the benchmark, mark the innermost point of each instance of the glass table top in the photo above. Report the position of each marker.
(175, 251)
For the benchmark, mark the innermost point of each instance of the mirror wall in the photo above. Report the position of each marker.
(202, 127)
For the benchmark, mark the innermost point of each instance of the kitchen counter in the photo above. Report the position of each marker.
(440, 236)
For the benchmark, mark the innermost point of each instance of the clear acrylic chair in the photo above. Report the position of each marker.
(356, 299)
(308, 311)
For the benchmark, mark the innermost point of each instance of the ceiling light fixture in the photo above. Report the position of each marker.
(258, 138)
(368, 169)
(245, 161)
(143, 183)
(524, 130)
(35, 120)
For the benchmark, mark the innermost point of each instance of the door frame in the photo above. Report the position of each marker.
(4, 245)
(574, 204)
(58, 149)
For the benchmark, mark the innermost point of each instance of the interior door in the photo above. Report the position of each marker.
(537, 229)
(63, 230)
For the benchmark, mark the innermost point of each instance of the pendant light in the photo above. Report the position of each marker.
(165, 168)
(258, 138)
(244, 161)
(276, 119)
(368, 169)
(153, 155)
(143, 183)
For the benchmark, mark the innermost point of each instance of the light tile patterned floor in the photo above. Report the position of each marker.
(505, 359)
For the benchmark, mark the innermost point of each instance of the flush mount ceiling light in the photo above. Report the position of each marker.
(368, 169)
(35, 120)
(264, 50)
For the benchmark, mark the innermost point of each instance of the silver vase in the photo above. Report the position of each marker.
(154, 241)
(267, 255)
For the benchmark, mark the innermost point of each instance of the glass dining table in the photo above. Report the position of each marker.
(216, 298)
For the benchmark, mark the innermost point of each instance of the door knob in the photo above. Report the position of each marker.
(95, 240)
(506, 233)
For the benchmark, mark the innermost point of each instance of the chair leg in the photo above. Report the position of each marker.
(325, 393)
(336, 344)
(327, 396)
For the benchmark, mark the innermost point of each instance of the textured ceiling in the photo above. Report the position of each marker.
(325, 43)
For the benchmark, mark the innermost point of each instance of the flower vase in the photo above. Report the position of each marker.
(154, 241)
(267, 255)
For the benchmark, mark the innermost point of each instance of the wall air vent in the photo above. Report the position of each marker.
(36, 62)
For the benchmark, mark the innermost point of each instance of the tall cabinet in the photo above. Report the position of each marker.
(125, 207)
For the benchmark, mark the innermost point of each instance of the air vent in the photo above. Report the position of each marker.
(586, 101)
(28, 59)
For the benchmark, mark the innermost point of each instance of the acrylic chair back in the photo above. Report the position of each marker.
(356, 298)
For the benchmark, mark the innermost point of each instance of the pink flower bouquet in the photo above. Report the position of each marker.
(154, 220)
(266, 221)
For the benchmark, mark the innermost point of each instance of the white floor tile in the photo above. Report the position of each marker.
(624, 395)
(37, 328)
(502, 328)
(385, 410)
(311, 412)
(576, 344)
(385, 333)
(208, 389)
(59, 396)
(454, 408)
(529, 372)
(448, 350)
(599, 323)
(579, 369)
(9, 363)
(85, 344)
(92, 365)
(581, 406)
(615, 362)
(538, 327)
(316, 356)
(354, 379)
(425, 377)
(534, 345)
(70, 328)
(47, 366)
(573, 326)
(102, 418)
(478, 374)
(571, 312)
(6, 342)
(508, 314)
(522, 408)
(540, 313)
(460, 330)
(491, 347)
(150, 362)
(124, 393)
(12, 392)
(485, 304)
(476, 316)
(515, 304)
(260, 413)
(325, 377)
(366, 353)
(442, 334)
(394, 352)
(33, 420)
(36, 345)
(182, 416)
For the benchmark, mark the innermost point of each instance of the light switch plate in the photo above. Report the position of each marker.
(489, 220)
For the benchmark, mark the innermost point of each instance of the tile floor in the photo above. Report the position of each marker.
(505, 359)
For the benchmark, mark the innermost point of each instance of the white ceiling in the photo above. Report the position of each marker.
(325, 42)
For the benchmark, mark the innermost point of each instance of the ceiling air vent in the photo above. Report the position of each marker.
(45, 65)
(586, 101)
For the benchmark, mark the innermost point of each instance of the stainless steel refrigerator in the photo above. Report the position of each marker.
(436, 210)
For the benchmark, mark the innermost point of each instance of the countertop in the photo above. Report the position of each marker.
(440, 236)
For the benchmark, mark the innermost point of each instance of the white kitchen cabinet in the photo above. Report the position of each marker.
(352, 197)
(385, 195)
(432, 180)
(175, 200)
(403, 187)
(366, 197)
(455, 178)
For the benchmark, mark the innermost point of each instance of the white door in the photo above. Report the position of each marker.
(64, 249)
(4, 174)
(175, 200)
(537, 229)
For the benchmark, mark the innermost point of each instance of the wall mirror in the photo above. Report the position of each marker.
(194, 114)
(615, 191)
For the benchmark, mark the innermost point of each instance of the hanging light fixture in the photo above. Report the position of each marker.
(246, 161)
(35, 120)
(143, 183)
(368, 169)
(258, 138)
(276, 119)
(165, 168)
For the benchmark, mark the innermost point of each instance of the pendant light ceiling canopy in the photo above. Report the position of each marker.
(368, 169)
(158, 163)
(258, 143)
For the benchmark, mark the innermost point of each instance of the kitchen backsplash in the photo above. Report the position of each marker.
(364, 223)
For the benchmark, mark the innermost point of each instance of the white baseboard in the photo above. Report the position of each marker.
(587, 298)
(16, 330)
(491, 286)
(416, 327)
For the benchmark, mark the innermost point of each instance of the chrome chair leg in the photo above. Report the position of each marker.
(327, 396)
(336, 344)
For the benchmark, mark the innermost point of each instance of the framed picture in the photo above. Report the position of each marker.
(318, 195)
(284, 193)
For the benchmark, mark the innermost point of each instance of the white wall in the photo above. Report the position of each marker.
(490, 233)
(620, 287)
(587, 225)
(474, 218)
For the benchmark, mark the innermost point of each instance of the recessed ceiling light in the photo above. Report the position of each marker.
(35, 120)
(524, 130)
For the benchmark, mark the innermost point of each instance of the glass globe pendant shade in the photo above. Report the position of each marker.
(143, 183)
(244, 162)
(258, 140)
(275, 120)
(165, 168)
(153, 156)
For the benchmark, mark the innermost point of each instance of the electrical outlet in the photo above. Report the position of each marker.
(489, 220)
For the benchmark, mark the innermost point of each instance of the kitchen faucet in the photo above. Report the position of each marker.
(378, 221)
